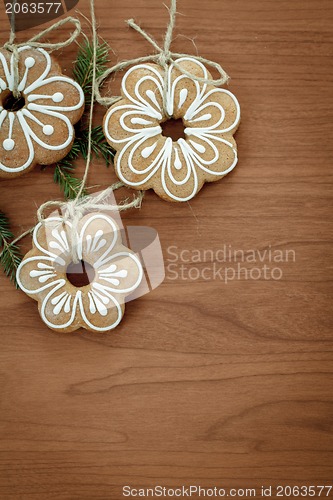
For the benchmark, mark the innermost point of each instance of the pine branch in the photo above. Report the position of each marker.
(10, 254)
(63, 173)
(83, 74)
(83, 67)
(99, 145)
(69, 184)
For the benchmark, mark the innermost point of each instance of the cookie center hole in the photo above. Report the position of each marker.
(80, 274)
(11, 103)
(174, 129)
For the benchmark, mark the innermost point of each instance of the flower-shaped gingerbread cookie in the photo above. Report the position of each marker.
(37, 128)
(98, 306)
(145, 158)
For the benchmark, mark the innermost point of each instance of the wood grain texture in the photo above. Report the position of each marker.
(203, 382)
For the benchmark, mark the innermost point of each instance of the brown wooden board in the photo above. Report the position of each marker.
(203, 383)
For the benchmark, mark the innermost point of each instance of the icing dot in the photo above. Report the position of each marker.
(48, 129)
(58, 97)
(8, 144)
(29, 62)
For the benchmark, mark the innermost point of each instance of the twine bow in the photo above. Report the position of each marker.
(164, 58)
(74, 210)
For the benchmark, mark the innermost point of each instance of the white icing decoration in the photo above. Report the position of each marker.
(200, 125)
(8, 144)
(98, 302)
(205, 117)
(96, 244)
(18, 120)
(60, 305)
(182, 97)
(41, 265)
(58, 97)
(11, 117)
(56, 299)
(3, 115)
(140, 121)
(48, 129)
(8, 75)
(146, 152)
(177, 163)
(152, 97)
(29, 62)
(111, 275)
(110, 269)
(61, 243)
(198, 147)
(42, 276)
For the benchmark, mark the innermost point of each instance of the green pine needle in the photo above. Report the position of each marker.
(83, 67)
(69, 184)
(63, 173)
(83, 74)
(99, 146)
(10, 254)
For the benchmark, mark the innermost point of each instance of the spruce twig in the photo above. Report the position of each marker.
(10, 256)
(83, 74)
(100, 147)
(83, 67)
(63, 173)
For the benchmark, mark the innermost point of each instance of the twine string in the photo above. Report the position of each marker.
(77, 208)
(164, 57)
(14, 48)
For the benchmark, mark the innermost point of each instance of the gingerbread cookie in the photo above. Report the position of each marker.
(97, 306)
(37, 128)
(145, 158)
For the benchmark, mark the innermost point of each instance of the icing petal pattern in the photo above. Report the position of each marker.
(145, 158)
(98, 306)
(42, 130)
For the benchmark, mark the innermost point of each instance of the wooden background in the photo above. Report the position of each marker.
(204, 382)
